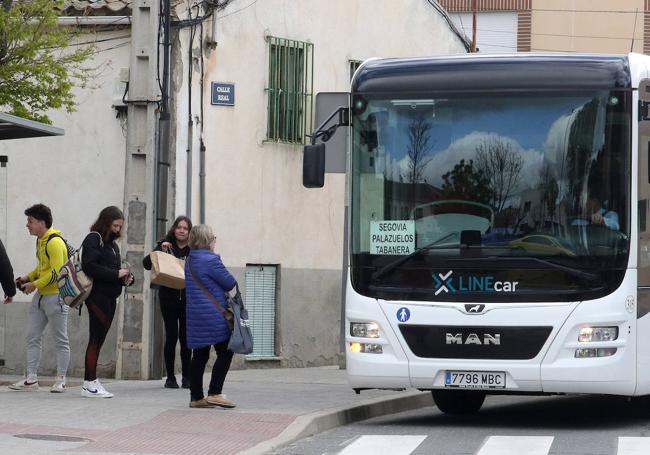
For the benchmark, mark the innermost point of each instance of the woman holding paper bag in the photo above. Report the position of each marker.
(172, 303)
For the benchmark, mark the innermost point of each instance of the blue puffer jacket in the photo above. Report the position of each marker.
(205, 324)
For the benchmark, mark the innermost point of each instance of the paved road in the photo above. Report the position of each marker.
(506, 425)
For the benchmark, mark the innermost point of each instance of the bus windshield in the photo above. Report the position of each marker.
(479, 195)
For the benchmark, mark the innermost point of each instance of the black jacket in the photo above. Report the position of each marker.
(6, 273)
(102, 263)
(164, 293)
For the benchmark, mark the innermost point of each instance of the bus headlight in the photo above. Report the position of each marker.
(589, 334)
(364, 329)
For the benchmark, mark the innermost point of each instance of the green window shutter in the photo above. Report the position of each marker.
(261, 287)
(289, 90)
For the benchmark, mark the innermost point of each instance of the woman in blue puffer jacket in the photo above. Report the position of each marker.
(206, 282)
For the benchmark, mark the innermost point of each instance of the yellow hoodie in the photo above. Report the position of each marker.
(45, 274)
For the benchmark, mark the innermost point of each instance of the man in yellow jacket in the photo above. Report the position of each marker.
(47, 306)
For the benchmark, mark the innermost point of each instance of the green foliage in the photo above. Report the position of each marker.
(38, 68)
(467, 183)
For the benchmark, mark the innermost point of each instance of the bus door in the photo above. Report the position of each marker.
(643, 242)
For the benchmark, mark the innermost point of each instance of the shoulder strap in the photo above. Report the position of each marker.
(205, 291)
(101, 240)
(78, 252)
(48, 241)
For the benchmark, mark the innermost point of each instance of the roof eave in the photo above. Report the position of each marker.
(13, 127)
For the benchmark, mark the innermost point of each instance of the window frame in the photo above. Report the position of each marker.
(289, 90)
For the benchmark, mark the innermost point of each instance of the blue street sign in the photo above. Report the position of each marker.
(223, 94)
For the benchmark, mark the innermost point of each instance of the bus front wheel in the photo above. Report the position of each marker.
(458, 401)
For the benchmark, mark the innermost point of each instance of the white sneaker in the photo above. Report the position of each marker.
(59, 385)
(101, 388)
(93, 389)
(25, 385)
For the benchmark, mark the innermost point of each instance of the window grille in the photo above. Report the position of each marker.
(290, 90)
(261, 304)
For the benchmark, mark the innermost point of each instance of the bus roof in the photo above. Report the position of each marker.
(475, 72)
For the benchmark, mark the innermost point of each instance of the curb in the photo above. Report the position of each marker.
(318, 422)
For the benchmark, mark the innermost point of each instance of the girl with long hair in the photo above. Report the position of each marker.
(100, 259)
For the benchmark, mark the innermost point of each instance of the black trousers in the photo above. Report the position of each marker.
(219, 369)
(173, 314)
(101, 310)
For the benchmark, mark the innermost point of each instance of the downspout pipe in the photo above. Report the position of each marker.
(190, 127)
(190, 139)
(164, 121)
(202, 184)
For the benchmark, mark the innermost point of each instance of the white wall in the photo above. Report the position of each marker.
(255, 199)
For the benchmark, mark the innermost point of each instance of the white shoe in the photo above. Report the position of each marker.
(59, 385)
(94, 389)
(25, 385)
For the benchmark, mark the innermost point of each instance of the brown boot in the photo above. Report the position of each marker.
(202, 403)
(220, 400)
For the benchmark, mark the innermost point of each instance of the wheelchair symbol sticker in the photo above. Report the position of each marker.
(403, 314)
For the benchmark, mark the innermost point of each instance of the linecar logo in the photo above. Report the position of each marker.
(444, 282)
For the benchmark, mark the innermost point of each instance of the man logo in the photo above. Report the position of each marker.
(474, 309)
(473, 338)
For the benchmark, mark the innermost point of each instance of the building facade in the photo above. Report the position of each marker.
(284, 242)
(505, 26)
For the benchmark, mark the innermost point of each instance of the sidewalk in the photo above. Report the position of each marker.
(274, 408)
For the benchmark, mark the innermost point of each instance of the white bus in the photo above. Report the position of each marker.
(499, 225)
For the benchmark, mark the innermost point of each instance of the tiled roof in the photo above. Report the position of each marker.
(97, 7)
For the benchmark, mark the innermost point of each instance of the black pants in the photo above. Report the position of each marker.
(219, 369)
(173, 314)
(101, 310)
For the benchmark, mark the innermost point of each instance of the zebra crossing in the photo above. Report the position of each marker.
(492, 445)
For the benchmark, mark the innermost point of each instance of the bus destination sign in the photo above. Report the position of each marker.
(395, 237)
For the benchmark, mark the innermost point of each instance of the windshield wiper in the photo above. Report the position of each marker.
(554, 265)
(392, 265)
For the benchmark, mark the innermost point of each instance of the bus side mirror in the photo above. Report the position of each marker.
(313, 166)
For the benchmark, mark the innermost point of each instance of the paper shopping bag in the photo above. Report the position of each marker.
(167, 270)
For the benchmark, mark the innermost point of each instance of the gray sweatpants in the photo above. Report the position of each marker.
(46, 309)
